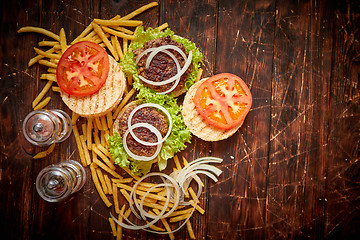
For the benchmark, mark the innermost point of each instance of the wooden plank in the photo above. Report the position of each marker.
(342, 196)
(196, 21)
(244, 49)
(299, 130)
(17, 92)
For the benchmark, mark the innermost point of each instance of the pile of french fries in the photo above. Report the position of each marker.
(91, 134)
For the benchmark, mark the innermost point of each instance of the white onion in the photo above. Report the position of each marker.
(177, 76)
(153, 129)
(179, 179)
(173, 78)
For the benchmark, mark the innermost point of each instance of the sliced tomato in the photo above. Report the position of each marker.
(223, 100)
(83, 69)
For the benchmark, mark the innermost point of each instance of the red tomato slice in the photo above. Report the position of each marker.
(223, 100)
(83, 69)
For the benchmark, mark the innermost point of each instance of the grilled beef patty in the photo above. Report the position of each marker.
(145, 115)
(162, 66)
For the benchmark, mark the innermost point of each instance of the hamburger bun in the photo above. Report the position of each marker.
(196, 123)
(103, 101)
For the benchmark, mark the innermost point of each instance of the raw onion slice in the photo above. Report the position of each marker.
(173, 78)
(173, 193)
(160, 139)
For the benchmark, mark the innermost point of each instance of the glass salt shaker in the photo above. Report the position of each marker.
(45, 127)
(56, 182)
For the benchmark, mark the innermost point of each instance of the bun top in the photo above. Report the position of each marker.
(196, 123)
(103, 101)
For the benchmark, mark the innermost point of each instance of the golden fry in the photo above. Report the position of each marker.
(165, 223)
(74, 118)
(42, 93)
(103, 157)
(45, 153)
(88, 133)
(102, 180)
(109, 119)
(52, 70)
(140, 10)
(116, 56)
(101, 34)
(190, 230)
(113, 226)
(119, 22)
(39, 30)
(55, 89)
(98, 123)
(79, 145)
(86, 151)
(163, 26)
(43, 103)
(106, 168)
(47, 63)
(117, 33)
(49, 76)
(63, 43)
(177, 163)
(123, 102)
(98, 186)
(115, 196)
(119, 228)
(46, 54)
(199, 74)
(108, 183)
(48, 43)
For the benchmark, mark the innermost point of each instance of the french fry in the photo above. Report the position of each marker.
(118, 48)
(125, 45)
(109, 120)
(115, 196)
(179, 218)
(43, 103)
(79, 145)
(116, 54)
(45, 153)
(38, 57)
(103, 150)
(88, 133)
(101, 34)
(74, 118)
(119, 228)
(47, 43)
(55, 89)
(113, 226)
(63, 43)
(98, 186)
(125, 194)
(98, 123)
(108, 183)
(123, 102)
(163, 26)
(42, 93)
(46, 54)
(47, 63)
(39, 30)
(140, 10)
(103, 157)
(103, 123)
(124, 180)
(180, 212)
(84, 131)
(49, 76)
(106, 168)
(190, 230)
(177, 163)
(200, 209)
(123, 29)
(96, 136)
(86, 151)
(102, 180)
(119, 22)
(132, 175)
(52, 70)
(199, 74)
(118, 34)
(165, 223)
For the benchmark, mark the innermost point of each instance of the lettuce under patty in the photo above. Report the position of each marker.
(180, 134)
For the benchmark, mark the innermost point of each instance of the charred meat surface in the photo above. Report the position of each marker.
(143, 115)
(162, 66)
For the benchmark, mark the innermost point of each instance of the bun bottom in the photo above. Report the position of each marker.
(196, 123)
(103, 101)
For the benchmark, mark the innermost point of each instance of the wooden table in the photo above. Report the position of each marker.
(290, 172)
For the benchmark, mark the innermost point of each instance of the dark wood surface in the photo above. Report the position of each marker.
(292, 171)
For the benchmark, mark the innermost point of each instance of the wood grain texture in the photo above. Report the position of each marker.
(290, 172)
